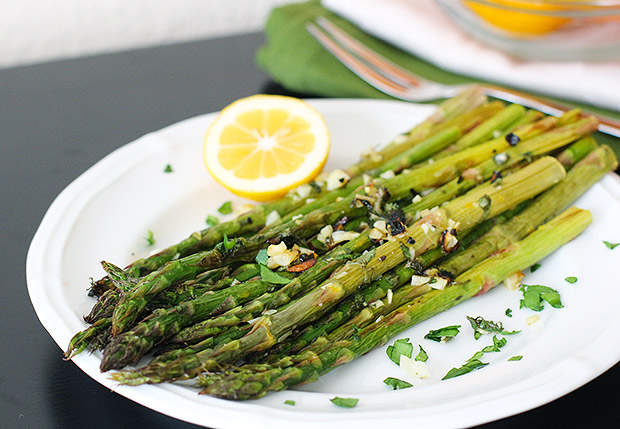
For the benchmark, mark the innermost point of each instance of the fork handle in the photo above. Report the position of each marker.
(607, 125)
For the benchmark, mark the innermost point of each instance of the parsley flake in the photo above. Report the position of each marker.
(443, 334)
(212, 220)
(534, 267)
(483, 327)
(229, 244)
(571, 279)
(289, 402)
(534, 297)
(168, 168)
(515, 358)
(269, 276)
(474, 362)
(400, 347)
(397, 383)
(149, 238)
(421, 356)
(345, 402)
(262, 257)
(226, 208)
(508, 312)
(611, 246)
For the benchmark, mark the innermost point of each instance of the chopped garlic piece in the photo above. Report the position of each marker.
(272, 217)
(513, 281)
(413, 367)
(310, 200)
(402, 138)
(337, 179)
(388, 174)
(325, 233)
(381, 225)
(375, 234)
(276, 249)
(304, 190)
(419, 280)
(532, 319)
(270, 312)
(390, 294)
(366, 178)
(340, 236)
(282, 260)
(376, 304)
(305, 251)
(439, 283)
(416, 199)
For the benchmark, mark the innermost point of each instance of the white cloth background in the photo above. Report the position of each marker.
(420, 27)
(34, 31)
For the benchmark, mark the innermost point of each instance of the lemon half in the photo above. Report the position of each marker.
(262, 146)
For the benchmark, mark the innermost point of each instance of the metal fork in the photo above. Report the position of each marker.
(394, 80)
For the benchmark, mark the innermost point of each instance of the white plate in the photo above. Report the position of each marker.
(106, 213)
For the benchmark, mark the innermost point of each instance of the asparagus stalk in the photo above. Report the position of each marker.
(581, 177)
(258, 380)
(503, 119)
(533, 144)
(577, 151)
(465, 211)
(446, 113)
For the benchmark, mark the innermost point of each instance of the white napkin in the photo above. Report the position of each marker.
(421, 28)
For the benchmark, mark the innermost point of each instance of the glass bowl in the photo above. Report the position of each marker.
(542, 29)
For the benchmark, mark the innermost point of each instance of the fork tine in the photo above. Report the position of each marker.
(357, 66)
(373, 58)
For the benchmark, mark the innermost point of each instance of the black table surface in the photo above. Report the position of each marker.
(56, 120)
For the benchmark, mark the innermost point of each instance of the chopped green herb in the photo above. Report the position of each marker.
(397, 383)
(535, 295)
(262, 257)
(571, 279)
(483, 327)
(269, 276)
(226, 208)
(515, 358)
(468, 367)
(406, 251)
(400, 347)
(229, 244)
(366, 257)
(611, 246)
(149, 238)
(168, 168)
(508, 312)
(344, 402)
(212, 220)
(534, 267)
(289, 402)
(474, 362)
(443, 334)
(421, 356)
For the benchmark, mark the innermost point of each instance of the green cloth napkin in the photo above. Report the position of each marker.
(294, 59)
